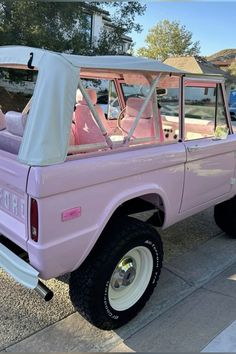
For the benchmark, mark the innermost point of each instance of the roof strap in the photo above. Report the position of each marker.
(30, 66)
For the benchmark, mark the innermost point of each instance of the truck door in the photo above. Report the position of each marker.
(210, 164)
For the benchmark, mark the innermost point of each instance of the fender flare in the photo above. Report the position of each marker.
(114, 204)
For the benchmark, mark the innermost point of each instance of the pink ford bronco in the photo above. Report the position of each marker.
(88, 142)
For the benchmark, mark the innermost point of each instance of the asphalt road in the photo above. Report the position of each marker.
(24, 313)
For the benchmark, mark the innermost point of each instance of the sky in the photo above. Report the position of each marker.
(213, 23)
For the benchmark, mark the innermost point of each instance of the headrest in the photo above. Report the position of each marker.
(134, 105)
(15, 122)
(2, 120)
(92, 94)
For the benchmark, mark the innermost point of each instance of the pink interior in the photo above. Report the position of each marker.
(86, 128)
(145, 127)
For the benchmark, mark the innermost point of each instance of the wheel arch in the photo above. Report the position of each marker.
(151, 194)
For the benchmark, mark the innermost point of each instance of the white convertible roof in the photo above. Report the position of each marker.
(122, 63)
(21, 54)
(47, 131)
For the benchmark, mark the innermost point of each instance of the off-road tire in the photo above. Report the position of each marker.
(89, 284)
(225, 216)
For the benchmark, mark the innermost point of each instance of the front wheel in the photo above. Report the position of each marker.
(120, 274)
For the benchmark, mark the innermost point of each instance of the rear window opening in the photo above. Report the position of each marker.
(16, 89)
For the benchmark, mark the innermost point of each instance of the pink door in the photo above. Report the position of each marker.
(208, 171)
(210, 165)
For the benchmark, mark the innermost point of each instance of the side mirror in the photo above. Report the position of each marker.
(221, 132)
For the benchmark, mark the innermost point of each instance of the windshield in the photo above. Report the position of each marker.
(167, 94)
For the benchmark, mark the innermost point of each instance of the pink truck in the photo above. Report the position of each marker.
(73, 174)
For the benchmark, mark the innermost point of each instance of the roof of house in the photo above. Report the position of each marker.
(114, 27)
(194, 64)
(222, 63)
(125, 37)
(93, 8)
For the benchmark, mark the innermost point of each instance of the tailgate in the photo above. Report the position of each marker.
(13, 199)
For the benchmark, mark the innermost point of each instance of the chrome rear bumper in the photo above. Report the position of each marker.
(21, 271)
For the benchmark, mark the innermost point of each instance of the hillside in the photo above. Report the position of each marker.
(223, 54)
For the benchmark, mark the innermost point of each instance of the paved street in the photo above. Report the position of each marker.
(192, 308)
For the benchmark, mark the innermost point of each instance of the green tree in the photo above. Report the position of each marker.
(169, 39)
(63, 26)
(124, 13)
(40, 24)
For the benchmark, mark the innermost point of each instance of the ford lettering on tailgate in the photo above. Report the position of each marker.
(12, 203)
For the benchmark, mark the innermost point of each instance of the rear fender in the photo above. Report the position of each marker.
(116, 202)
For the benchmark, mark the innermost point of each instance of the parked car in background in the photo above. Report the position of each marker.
(232, 97)
(232, 110)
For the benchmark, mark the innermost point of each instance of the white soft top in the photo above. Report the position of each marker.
(47, 131)
(21, 54)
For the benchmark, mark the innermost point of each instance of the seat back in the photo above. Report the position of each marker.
(12, 127)
(86, 128)
(15, 122)
(145, 127)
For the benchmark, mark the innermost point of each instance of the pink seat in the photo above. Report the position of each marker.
(145, 127)
(86, 128)
(15, 122)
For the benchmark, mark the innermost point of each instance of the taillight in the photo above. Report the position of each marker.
(34, 226)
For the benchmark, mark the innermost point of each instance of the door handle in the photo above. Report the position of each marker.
(193, 148)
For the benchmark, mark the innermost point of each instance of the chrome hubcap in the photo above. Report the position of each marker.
(124, 274)
(130, 278)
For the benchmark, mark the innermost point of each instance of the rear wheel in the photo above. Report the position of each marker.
(119, 276)
(224, 214)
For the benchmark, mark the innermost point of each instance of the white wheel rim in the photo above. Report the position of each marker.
(130, 278)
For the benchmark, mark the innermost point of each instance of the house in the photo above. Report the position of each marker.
(194, 64)
(99, 20)
(199, 65)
